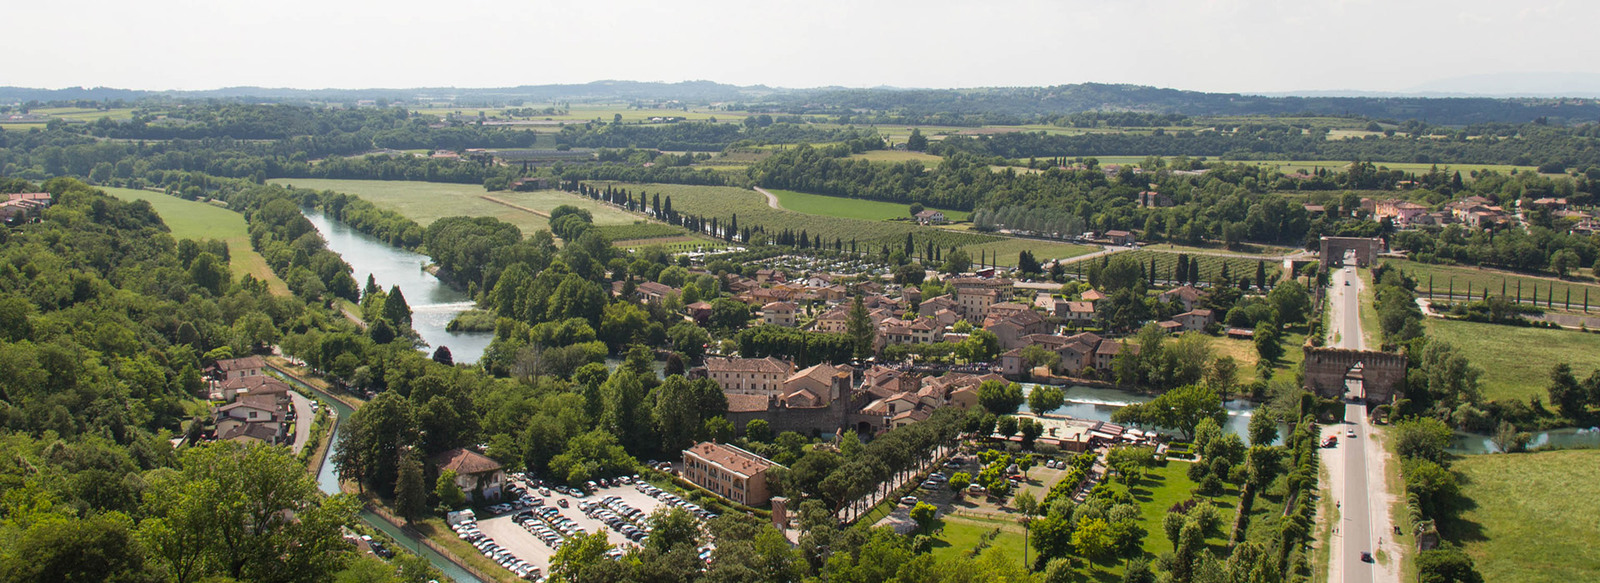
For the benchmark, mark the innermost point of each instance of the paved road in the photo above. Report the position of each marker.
(1359, 487)
(303, 416)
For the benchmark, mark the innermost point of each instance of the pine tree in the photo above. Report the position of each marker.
(410, 491)
(1261, 275)
(372, 286)
(859, 327)
(395, 308)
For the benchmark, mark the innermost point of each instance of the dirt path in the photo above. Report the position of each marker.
(513, 205)
(772, 199)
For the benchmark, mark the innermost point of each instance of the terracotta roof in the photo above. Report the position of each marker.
(768, 364)
(822, 373)
(1093, 296)
(699, 306)
(742, 403)
(731, 458)
(249, 432)
(1109, 347)
(1117, 233)
(779, 306)
(262, 402)
(233, 364)
(465, 462)
(258, 384)
(1080, 307)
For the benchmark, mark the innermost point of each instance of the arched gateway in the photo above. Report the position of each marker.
(1372, 376)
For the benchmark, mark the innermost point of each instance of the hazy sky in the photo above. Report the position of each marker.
(1208, 45)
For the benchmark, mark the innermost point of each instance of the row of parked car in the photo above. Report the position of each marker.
(548, 525)
(619, 516)
(673, 500)
(467, 530)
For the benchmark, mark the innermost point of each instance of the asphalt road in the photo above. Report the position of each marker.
(1357, 507)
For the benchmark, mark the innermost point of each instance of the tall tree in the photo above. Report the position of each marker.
(858, 326)
(395, 308)
(411, 491)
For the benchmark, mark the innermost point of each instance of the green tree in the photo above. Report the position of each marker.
(1000, 397)
(956, 262)
(1263, 427)
(1291, 301)
(860, 328)
(449, 493)
(210, 273)
(1446, 566)
(672, 529)
(244, 512)
(1180, 409)
(959, 481)
(410, 493)
(980, 346)
(100, 547)
(395, 308)
(1093, 540)
(676, 414)
(1043, 399)
(1036, 356)
(758, 430)
(578, 556)
(924, 515)
(1006, 425)
(371, 440)
(916, 142)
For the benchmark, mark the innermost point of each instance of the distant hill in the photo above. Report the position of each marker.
(987, 104)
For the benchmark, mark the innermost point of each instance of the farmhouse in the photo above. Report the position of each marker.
(237, 368)
(1120, 238)
(1186, 295)
(931, 217)
(476, 474)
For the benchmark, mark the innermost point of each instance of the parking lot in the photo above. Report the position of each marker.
(524, 544)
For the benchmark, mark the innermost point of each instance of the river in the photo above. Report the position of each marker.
(328, 482)
(433, 303)
(1099, 404)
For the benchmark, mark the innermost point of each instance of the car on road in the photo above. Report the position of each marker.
(1333, 440)
(1366, 557)
(562, 502)
(1347, 282)
(1350, 434)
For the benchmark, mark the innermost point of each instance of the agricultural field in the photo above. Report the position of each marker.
(897, 156)
(1532, 517)
(642, 229)
(580, 113)
(724, 202)
(851, 208)
(1516, 361)
(197, 220)
(1292, 166)
(426, 202)
(1443, 277)
(1210, 265)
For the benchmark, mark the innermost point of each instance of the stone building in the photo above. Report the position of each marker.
(728, 471)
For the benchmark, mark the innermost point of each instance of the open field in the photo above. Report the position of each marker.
(1292, 166)
(197, 220)
(1244, 249)
(1244, 354)
(850, 208)
(1479, 278)
(1532, 517)
(1516, 361)
(897, 156)
(724, 202)
(1165, 486)
(426, 202)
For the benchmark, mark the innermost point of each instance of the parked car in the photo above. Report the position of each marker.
(909, 501)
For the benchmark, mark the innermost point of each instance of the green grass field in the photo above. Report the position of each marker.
(851, 208)
(961, 534)
(751, 207)
(197, 220)
(1165, 486)
(1244, 354)
(1479, 278)
(1533, 517)
(426, 202)
(1516, 361)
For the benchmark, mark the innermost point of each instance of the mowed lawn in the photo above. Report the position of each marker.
(197, 220)
(1533, 518)
(850, 208)
(1516, 361)
(962, 534)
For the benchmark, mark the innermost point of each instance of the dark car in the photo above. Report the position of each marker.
(1366, 557)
